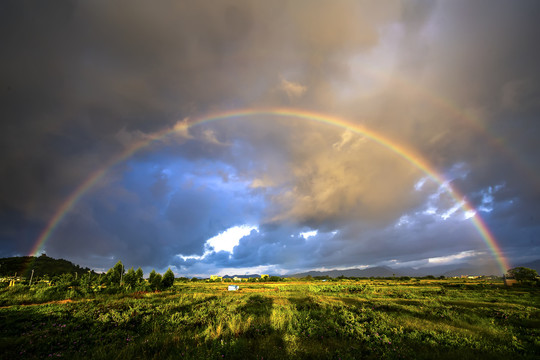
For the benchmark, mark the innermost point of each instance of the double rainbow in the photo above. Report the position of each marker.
(407, 154)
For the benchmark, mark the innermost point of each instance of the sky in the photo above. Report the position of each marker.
(423, 123)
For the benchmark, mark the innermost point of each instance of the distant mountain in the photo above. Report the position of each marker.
(42, 265)
(378, 271)
(471, 271)
(445, 270)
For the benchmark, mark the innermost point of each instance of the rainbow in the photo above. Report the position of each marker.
(405, 153)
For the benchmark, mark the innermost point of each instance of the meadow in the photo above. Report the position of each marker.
(346, 319)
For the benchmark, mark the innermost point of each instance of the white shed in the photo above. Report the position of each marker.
(233, 287)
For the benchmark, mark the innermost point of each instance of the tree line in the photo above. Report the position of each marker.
(134, 280)
(114, 280)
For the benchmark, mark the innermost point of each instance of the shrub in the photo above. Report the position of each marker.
(155, 280)
(168, 279)
(523, 274)
(130, 279)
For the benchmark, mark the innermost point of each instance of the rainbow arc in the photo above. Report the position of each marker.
(407, 154)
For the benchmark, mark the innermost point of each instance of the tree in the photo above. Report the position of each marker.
(139, 275)
(155, 280)
(156, 285)
(168, 279)
(152, 275)
(87, 279)
(115, 274)
(64, 280)
(523, 274)
(130, 279)
(107, 278)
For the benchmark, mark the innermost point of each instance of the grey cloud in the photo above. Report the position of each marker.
(83, 80)
(77, 73)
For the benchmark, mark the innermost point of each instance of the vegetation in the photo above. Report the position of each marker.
(523, 274)
(43, 266)
(343, 319)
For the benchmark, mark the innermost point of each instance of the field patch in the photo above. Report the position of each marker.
(300, 320)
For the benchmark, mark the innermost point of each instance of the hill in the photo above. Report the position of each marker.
(445, 270)
(42, 265)
(377, 271)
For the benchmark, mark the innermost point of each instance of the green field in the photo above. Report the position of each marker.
(371, 319)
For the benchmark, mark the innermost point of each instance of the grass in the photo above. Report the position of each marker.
(287, 320)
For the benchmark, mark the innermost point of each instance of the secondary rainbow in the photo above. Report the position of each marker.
(407, 154)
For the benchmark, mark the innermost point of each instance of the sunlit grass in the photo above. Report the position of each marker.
(300, 320)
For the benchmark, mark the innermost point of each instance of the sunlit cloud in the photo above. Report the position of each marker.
(453, 258)
(228, 239)
(307, 234)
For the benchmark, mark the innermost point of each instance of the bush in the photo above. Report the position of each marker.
(155, 280)
(130, 279)
(523, 274)
(168, 279)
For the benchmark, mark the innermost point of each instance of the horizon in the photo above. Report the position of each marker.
(447, 271)
(353, 135)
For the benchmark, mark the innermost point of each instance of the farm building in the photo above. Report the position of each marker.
(233, 287)
(216, 277)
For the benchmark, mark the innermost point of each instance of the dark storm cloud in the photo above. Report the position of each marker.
(491, 66)
(148, 230)
(76, 73)
(82, 81)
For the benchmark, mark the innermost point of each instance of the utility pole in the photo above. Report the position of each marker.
(31, 276)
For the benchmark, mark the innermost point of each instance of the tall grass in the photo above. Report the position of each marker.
(304, 320)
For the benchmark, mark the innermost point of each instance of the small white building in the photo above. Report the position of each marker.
(233, 287)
